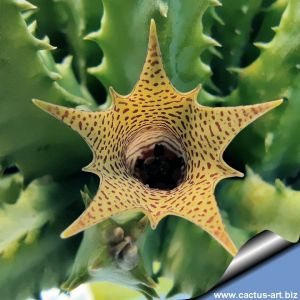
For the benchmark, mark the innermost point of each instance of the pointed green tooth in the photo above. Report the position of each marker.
(261, 46)
(245, 9)
(65, 67)
(249, 171)
(271, 21)
(217, 18)
(163, 8)
(95, 70)
(234, 35)
(280, 187)
(24, 5)
(71, 98)
(44, 45)
(216, 52)
(54, 76)
(269, 141)
(139, 228)
(86, 198)
(9, 252)
(234, 70)
(73, 19)
(210, 41)
(215, 3)
(275, 28)
(92, 36)
(32, 27)
(272, 75)
(32, 236)
(29, 73)
(68, 286)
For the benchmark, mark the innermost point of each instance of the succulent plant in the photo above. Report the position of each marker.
(157, 151)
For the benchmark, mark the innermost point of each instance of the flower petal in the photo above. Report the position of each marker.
(156, 113)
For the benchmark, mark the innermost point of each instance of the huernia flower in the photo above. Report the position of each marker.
(154, 118)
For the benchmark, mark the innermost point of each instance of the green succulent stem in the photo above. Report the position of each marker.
(272, 73)
(255, 205)
(34, 142)
(181, 42)
(32, 256)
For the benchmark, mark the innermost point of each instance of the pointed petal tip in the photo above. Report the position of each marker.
(279, 101)
(232, 250)
(64, 235)
(153, 226)
(82, 223)
(267, 106)
(153, 32)
(36, 101)
(224, 239)
(40, 104)
(228, 244)
(68, 232)
(45, 106)
(153, 220)
(239, 174)
(152, 25)
(72, 229)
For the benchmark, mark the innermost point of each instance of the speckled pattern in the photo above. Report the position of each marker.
(156, 107)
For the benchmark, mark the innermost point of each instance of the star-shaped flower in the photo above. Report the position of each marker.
(155, 113)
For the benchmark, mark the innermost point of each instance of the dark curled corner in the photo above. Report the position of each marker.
(257, 250)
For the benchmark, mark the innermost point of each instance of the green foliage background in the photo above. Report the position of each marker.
(69, 52)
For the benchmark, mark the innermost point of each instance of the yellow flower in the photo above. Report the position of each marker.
(155, 117)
